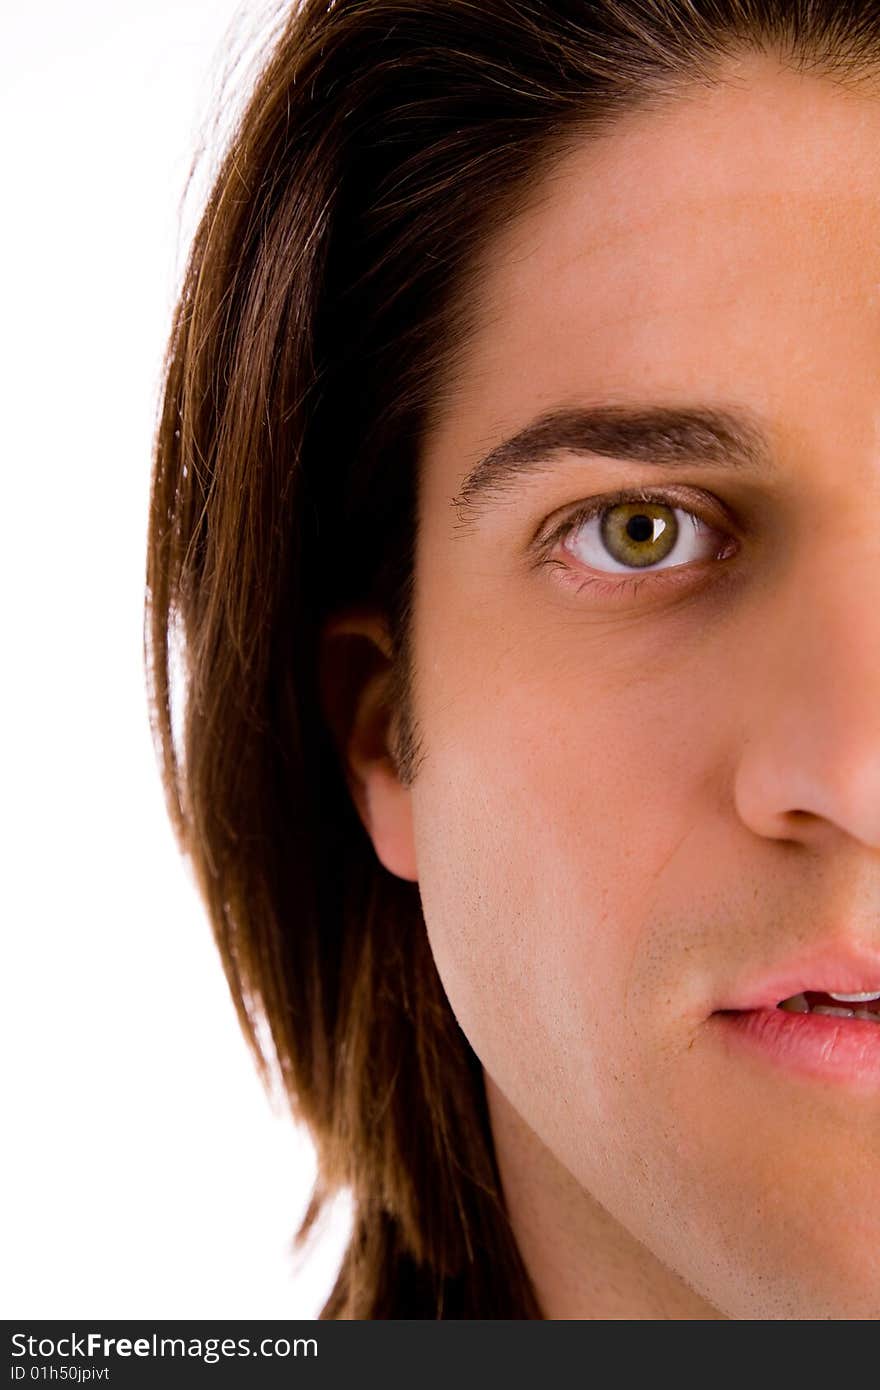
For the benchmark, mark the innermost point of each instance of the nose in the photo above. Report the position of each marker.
(809, 765)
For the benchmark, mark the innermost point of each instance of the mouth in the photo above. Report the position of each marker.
(818, 1034)
(793, 1020)
(863, 1005)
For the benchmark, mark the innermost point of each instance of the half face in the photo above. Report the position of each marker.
(651, 790)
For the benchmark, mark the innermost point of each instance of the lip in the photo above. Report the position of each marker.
(844, 1050)
(820, 1046)
(841, 969)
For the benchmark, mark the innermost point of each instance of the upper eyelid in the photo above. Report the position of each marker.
(554, 527)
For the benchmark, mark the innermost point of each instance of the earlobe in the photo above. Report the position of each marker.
(355, 684)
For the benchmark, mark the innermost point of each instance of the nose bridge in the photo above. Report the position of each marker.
(813, 741)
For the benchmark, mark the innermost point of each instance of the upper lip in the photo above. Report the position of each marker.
(843, 969)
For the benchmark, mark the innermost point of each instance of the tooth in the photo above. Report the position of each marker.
(852, 998)
(866, 1013)
(797, 1004)
(838, 1013)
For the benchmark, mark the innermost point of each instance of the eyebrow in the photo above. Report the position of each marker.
(668, 436)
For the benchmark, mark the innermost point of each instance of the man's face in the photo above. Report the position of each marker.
(639, 800)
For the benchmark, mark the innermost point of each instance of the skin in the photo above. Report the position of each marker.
(631, 806)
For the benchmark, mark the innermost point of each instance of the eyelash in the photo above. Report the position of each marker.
(595, 506)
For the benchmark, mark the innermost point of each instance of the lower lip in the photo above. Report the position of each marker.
(845, 1050)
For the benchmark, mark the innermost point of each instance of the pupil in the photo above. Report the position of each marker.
(640, 528)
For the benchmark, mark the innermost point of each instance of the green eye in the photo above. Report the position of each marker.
(650, 537)
(623, 534)
(639, 533)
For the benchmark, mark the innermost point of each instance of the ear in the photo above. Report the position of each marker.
(355, 683)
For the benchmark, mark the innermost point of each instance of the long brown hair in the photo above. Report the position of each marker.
(327, 289)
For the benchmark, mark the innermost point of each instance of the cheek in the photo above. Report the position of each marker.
(547, 816)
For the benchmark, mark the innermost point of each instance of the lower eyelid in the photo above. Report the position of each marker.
(672, 576)
(620, 583)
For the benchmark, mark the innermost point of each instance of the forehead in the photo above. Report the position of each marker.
(653, 260)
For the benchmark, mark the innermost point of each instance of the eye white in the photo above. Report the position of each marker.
(585, 543)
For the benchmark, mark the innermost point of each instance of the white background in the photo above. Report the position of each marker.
(144, 1172)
